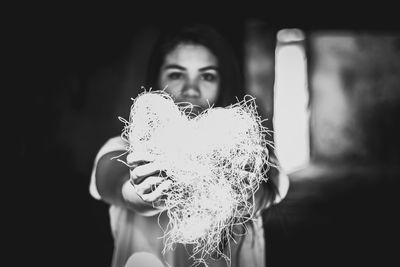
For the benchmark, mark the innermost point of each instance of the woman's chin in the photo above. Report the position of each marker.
(193, 111)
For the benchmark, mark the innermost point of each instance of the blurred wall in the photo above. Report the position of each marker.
(355, 90)
(341, 209)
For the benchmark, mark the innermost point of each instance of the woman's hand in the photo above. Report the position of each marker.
(148, 182)
(146, 185)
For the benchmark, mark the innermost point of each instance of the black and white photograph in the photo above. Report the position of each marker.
(198, 136)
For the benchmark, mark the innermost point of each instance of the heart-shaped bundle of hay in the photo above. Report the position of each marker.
(216, 162)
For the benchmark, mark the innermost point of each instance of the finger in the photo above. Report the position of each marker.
(249, 183)
(249, 166)
(136, 158)
(138, 180)
(139, 173)
(247, 176)
(147, 184)
(153, 196)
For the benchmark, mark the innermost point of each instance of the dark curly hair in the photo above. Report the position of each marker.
(231, 86)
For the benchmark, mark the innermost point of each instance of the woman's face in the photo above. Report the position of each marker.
(190, 74)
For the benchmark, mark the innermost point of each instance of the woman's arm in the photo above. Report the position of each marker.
(275, 189)
(278, 178)
(114, 186)
(281, 183)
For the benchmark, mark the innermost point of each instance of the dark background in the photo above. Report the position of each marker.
(74, 64)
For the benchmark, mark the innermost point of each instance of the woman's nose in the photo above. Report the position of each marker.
(191, 89)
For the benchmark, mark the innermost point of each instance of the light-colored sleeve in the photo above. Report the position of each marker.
(113, 144)
(279, 178)
(282, 183)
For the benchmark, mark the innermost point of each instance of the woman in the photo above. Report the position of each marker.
(194, 64)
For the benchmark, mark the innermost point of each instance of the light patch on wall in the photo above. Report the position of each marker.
(291, 116)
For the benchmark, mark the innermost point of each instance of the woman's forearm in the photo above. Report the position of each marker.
(112, 182)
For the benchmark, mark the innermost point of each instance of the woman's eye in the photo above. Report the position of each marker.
(209, 77)
(174, 75)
